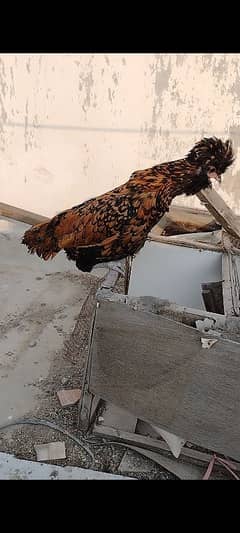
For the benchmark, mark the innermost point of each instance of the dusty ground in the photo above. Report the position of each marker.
(66, 371)
(45, 316)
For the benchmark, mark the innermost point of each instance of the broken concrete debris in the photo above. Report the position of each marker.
(68, 397)
(50, 451)
(208, 343)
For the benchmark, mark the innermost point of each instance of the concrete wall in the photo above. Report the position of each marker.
(75, 125)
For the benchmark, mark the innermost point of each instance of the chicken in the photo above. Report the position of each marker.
(116, 224)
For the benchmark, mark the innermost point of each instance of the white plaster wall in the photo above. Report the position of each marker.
(75, 125)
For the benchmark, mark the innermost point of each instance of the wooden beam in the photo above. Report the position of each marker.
(231, 286)
(227, 326)
(123, 437)
(198, 217)
(153, 304)
(220, 210)
(189, 215)
(89, 403)
(184, 220)
(21, 215)
(85, 405)
(181, 469)
(211, 237)
(185, 242)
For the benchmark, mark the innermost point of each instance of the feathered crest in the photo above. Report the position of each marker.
(212, 151)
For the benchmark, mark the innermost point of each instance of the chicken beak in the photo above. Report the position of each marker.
(215, 175)
(218, 177)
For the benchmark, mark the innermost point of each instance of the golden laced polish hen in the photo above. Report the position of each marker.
(116, 224)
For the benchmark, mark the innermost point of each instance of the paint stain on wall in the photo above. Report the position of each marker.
(26, 127)
(87, 97)
(3, 110)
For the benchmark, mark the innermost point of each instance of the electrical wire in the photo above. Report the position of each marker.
(41, 422)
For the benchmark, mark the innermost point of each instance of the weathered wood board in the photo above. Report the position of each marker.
(179, 468)
(220, 210)
(231, 287)
(22, 215)
(157, 369)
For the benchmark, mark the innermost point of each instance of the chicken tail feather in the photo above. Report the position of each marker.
(40, 239)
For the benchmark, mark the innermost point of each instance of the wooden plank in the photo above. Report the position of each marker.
(190, 218)
(180, 313)
(231, 286)
(87, 408)
(177, 467)
(211, 237)
(197, 217)
(128, 269)
(186, 243)
(184, 214)
(189, 215)
(175, 213)
(229, 327)
(220, 210)
(175, 228)
(88, 403)
(124, 438)
(158, 362)
(235, 285)
(180, 468)
(227, 290)
(21, 215)
(185, 220)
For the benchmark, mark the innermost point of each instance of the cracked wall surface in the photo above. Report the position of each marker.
(75, 125)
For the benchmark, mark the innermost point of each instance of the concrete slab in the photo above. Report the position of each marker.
(12, 468)
(39, 304)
